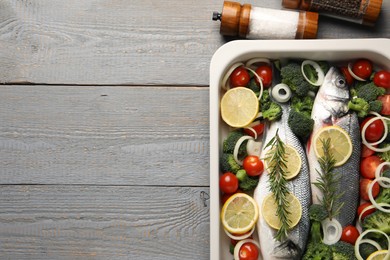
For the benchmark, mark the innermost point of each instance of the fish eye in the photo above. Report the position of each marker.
(340, 82)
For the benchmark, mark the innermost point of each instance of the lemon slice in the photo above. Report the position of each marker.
(293, 162)
(378, 255)
(269, 208)
(239, 106)
(239, 213)
(340, 143)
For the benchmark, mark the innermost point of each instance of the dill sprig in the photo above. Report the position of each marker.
(278, 183)
(328, 181)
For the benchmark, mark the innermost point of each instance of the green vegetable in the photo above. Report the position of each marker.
(317, 251)
(253, 86)
(265, 100)
(274, 112)
(317, 213)
(246, 182)
(230, 142)
(292, 76)
(384, 195)
(343, 251)
(378, 220)
(375, 106)
(360, 106)
(369, 92)
(385, 156)
(366, 249)
(299, 119)
(228, 164)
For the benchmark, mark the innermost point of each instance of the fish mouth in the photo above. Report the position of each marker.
(287, 250)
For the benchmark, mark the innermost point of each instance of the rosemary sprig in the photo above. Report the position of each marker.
(278, 183)
(328, 181)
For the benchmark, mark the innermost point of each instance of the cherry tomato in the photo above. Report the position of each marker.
(367, 212)
(364, 189)
(228, 183)
(362, 68)
(374, 131)
(350, 234)
(248, 251)
(368, 166)
(367, 151)
(239, 77)
(348, 77)
(258, 127)
(265, 73)
(253, 165)
(385, 99)
(382, 79)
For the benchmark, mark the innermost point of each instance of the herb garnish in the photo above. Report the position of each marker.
(328, 181)
(278, 183)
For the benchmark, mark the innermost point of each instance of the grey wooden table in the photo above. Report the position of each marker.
(104, 131)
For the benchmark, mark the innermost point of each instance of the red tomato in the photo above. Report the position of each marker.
(367, 151)
(248, 251)
(364, 189)
(228, 183)
(382, 79)
(374, 131)
(239, 77)
(265, 73)
(368, 166)
(362, 68)
(385, 99)
(253, 165)
(367, 212)
(350, 234)
(258, 127)
(348, 77)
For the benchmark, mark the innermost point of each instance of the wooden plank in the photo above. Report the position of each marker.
(104, 135)
(125, 42)
(101, 222)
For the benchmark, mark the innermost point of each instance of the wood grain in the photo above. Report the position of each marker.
(103, 222)
(104, 135)
(128, 42)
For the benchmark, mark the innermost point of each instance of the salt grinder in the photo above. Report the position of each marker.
(359, 11)
(250, 22)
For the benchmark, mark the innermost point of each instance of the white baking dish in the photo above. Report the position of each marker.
(377, 50)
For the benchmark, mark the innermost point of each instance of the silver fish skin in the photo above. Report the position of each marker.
(294, 245)
(331, 108)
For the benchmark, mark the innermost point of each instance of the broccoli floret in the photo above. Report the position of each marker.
(274, 112)
(292, 76)
(366, 249)
(246, 182)
(385, 156)
(253, 86)
(369, 92)
(360, 106)
(299, 119)
(317, 251)
(375, 106)
(384, 196)
(230, 142)
(317, 213)
(228, 164)
(343, 251)
(378, 220)
(265, 100)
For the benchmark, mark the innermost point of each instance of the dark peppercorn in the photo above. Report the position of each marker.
(346, 8)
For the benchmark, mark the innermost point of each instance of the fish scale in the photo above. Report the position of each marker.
(293, 246)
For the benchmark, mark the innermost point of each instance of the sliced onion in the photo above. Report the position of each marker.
(371, 242)
(332, 231)
(239, 245)
(252, 130)
(364, 210)
(237, 147)
(386, 130)
(259, 79)
(360, 238)
(385, 207)
(281, 97)
(317, 67)
(225, 78)
(378, 174)
(353, 74)
(253, 147)
(250, 62)
(244, 236)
